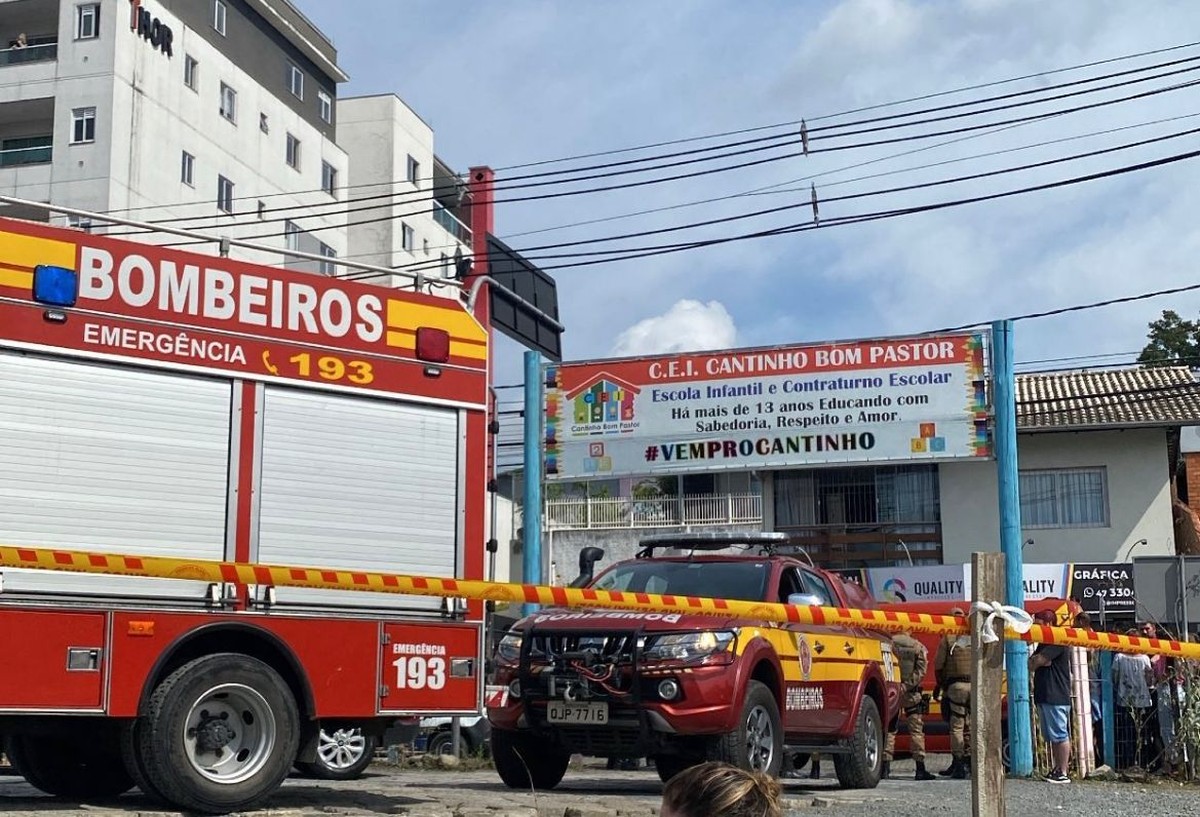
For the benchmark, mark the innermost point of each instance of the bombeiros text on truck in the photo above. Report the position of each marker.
(164, 403)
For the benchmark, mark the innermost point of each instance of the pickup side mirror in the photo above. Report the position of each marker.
(587, 566)
(805, 600)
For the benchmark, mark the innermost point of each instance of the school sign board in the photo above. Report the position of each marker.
(894, 399)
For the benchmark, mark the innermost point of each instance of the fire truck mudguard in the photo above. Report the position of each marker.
(161, 403)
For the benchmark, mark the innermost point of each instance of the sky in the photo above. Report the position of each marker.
(506, 83)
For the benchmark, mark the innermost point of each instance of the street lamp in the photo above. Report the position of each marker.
(1129, 552)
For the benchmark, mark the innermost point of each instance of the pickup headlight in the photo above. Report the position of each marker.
(687, 646)
(509, 648)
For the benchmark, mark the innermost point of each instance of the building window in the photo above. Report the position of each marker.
(190, 67)
(328, 267)
(407, 237)
(228, 103)
(325, 103)
(262, 209)
(187, 173)
(83, 125)
(291, 235)
(224, 195)
(329, 176)
(263, 124)
(445, 262)
(219, 17)
(87, 21)
(1064, 498)
(414, 170)
(295, 81)
(293, 152)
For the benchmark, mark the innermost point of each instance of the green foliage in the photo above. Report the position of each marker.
(1173, 341)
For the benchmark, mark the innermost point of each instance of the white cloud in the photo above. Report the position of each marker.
(688, 326)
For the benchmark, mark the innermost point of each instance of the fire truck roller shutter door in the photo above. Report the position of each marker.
(115, 459)
(359, 483)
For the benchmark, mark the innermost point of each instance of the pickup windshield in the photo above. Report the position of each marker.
(722, 580)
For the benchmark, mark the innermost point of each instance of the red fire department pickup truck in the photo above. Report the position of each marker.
(685, 688)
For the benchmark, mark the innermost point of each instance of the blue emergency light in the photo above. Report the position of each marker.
(55, 286)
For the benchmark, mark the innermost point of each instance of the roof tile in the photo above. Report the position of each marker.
(1115, 398)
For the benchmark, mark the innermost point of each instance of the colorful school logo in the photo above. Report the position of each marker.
(604, 401)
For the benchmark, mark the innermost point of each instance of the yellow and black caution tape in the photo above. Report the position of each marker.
(160, 567)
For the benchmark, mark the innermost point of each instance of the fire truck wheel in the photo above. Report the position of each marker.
(862, 766)
(523, 763)
(343, 754)
(133, 762)
(757, 744)
(80, 768)
(220, 734)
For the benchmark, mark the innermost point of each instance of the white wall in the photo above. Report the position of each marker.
(156, 117)
(146, 117)
(379, 133)
(1139, 498)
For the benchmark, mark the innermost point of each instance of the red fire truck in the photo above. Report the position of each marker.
(164, 403)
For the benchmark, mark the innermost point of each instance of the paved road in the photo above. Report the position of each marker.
(595, 792)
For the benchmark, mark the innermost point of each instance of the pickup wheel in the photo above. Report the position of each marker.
(79, 768)
(862, 766)
(524, 763)
(343, 754)
(757, 744)
(220, 734)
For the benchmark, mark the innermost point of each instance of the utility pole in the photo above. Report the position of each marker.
(1020, 733)
(532, 512)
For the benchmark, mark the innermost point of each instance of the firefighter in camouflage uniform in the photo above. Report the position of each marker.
(952, 668)
(914, 661)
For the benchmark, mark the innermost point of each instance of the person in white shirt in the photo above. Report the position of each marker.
(1132, 678)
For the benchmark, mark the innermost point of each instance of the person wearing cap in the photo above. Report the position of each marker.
(914, 660)
(952, 668)
(1051, 668)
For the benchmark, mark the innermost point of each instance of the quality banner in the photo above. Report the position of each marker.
(895, 399)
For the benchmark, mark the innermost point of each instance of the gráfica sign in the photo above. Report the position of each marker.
(906, 399)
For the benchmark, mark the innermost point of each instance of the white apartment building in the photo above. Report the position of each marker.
(218, 112)
(407, 207)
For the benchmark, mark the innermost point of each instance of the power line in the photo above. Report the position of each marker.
(864, 109)
(710, 171)
(527, 251)
(721, 135)
(395, 199)
(779, 189)
(1094, 304)
(651, 251)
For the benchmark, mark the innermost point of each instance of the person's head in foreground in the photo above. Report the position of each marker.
(721, 790)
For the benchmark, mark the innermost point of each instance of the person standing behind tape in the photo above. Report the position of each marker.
(952, 668)
(1051, 668)
(914, 661)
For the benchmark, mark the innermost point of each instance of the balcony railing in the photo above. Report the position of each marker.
(30, 53)
(580, 513)
(451, 224)
(33, 155)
